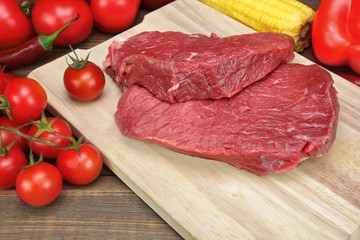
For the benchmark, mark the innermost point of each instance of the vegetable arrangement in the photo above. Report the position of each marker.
(290, 17)
(336, 33)
(39, 152)
(31, 50)
(34, 27)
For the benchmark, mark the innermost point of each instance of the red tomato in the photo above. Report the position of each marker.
(80, 166)
(114, 16)
(8, 137)
(85, 83)
(16, 27)
(11, 164)
(54, 130)
(39, 185)
(27, 99)
(47, 16)
(154, 4)
(5, 78)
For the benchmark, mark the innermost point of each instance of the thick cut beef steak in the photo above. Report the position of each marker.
(177, 67)
(270, 126)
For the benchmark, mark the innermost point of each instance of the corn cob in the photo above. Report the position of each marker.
(290, 17)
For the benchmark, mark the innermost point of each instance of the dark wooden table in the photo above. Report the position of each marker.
(105, 209)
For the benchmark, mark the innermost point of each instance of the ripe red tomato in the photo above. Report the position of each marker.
(114, 16)
(54, 130)
(10, 137)
(11, 164)
(84, 83)
(27, 99)
(16, 27)
(80, 166)
(5, 78)
(39, 185)
(47, 16)
(154, 4)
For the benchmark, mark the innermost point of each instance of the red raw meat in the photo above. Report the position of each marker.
(177, 67)
(268, 127)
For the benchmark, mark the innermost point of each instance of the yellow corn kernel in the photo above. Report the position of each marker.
(290, 17)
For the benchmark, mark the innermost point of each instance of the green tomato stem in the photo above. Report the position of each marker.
(77, 63)
(28, 137)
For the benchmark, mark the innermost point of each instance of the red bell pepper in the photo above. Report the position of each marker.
(336, 33)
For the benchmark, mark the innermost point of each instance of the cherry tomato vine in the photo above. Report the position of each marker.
(77, 162)
(46, 138)
(28, 138)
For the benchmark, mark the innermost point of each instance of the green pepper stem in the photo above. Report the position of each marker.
(47, 41)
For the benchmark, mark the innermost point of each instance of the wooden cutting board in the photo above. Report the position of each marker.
(204, 199)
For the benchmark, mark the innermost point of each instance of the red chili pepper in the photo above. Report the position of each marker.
(32, 50)
(336, 33)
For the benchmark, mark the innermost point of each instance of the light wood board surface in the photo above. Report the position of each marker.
(204, 199)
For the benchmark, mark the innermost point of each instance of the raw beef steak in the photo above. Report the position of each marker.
(177, 67)
(270, 126)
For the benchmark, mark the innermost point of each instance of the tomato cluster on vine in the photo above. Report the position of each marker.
(37, 151)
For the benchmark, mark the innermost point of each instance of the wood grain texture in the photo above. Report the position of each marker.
(116, 213)
(203, 199)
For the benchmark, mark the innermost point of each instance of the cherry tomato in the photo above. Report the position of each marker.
(114, 16)
(81, 166)
(83, 79)
(16, 27)
(11, 163)
(5, 78)
(47, 16)
(39, 185)
(27, 99)
(154, 4)
(8, 137)
(55, 130)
